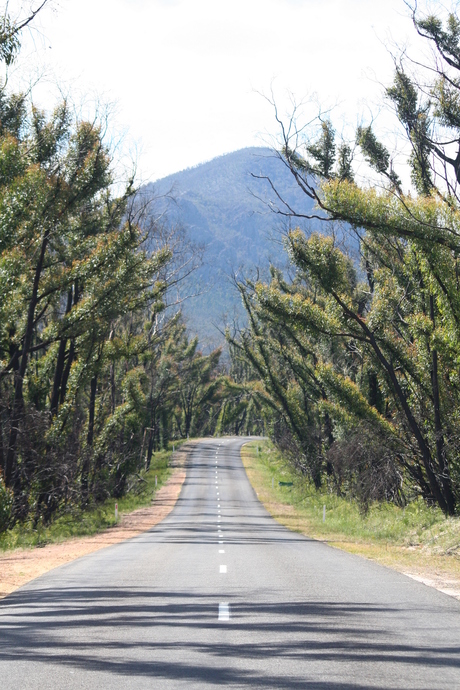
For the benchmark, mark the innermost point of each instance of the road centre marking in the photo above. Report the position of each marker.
(221, 550)
(222, 569)
(224, 612)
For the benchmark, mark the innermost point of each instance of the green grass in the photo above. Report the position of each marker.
(300, 507)
(78, 523)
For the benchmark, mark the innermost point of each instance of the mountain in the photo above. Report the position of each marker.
(226, 205)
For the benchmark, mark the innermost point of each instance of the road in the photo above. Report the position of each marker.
(219, 594)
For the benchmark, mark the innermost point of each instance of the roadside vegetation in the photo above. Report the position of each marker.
(359, 355)
(415, 539)
(84, 522)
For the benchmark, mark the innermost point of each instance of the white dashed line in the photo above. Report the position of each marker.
(221, 550)
(222, 569)
(224, 612)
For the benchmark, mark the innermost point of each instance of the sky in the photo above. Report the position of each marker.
(185, 80)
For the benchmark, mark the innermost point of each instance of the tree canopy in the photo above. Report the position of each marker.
(372, 350)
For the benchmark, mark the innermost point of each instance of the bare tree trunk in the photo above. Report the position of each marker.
(89, 440)
(59, 371)
(18, 402)
(71, 354)
(150, 448)
(439, 434)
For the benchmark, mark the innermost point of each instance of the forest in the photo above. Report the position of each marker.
(351, 367)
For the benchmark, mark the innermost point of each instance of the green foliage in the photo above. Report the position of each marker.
(376, 154)
(9, 40)
(96, 376)
(345, 160)
(198, 387)
(416, 120)
(411, 525)
(364, 374)
(323, 151)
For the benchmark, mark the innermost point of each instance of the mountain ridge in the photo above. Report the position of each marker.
(227, 205)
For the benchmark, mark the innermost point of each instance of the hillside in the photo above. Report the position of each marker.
(229, 211)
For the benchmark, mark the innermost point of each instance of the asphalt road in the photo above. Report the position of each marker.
(219, 594)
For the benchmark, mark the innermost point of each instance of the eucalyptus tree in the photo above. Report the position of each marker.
(73, 265)
(396, 320)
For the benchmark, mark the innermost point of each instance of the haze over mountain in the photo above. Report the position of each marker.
(226, 206)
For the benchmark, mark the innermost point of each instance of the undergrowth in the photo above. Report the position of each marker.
(77, 523)
(417, 525)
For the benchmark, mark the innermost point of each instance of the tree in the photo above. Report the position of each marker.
(397, 331)
(74, 268)
(197, 385)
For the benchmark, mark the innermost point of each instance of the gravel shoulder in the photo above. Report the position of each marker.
(19, 566)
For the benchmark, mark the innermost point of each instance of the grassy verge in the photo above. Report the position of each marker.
(418, 540)
(84, 523)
